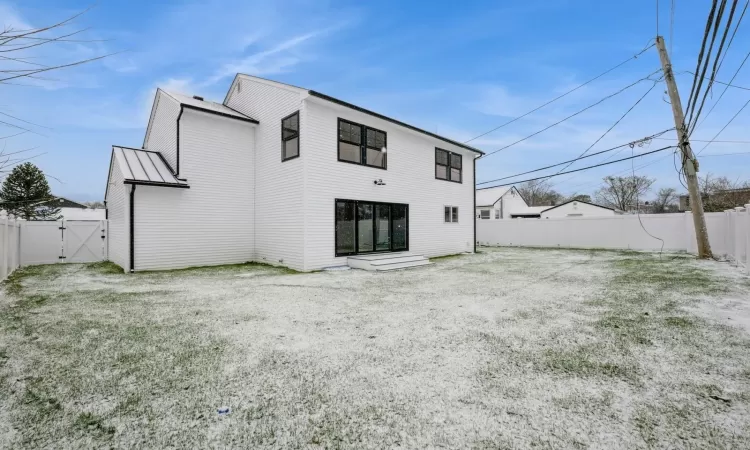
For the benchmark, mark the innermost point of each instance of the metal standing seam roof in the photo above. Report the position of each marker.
(145, 167)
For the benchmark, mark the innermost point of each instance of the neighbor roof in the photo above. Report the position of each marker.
(530, 210)
(357, 108)
(490, 196)
(145, 167)
(62, 202)
(579, 201)
(208, 106)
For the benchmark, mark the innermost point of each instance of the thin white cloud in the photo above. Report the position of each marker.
(267, 62)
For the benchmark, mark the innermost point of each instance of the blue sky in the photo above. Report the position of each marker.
(456, 68)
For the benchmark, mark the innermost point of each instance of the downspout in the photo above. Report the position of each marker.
(132, 229)
(177, 166)
(474, 211)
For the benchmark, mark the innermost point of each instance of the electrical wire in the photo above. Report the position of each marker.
(613, 125)
(724, 83)
(566, 93)
(572, 115)
(671, 27)
(724, 127)
(709, 23)
(636, 142)
(726, 154)
(727, 85)
(717, 22)
(583, 168)
(638, 204)
(714, 69)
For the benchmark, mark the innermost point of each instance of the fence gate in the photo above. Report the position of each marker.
(75, 241)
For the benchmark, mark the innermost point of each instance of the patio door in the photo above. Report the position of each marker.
(367, 227)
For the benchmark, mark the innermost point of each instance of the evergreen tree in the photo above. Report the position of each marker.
(24, 193)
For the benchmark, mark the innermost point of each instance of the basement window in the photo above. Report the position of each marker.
(290, 137)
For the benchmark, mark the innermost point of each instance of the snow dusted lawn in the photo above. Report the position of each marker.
(510, 348)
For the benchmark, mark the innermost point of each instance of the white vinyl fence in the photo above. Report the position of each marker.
(73, 241)
(10, 239)
(729, 233)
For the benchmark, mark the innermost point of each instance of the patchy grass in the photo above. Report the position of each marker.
(447, 257)
(510, 348)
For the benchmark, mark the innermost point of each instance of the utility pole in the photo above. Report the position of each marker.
(689, 162)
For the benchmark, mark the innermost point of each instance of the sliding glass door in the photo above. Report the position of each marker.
(366, 227)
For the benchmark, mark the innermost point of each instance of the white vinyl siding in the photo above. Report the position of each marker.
(162, 136)
(118, 213)
(212, 222)
(279, 187)
(410, 179)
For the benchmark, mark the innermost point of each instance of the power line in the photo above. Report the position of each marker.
(727, 84)
(572, 115)
(564, 94)
(705, 140)
(583, 168)
(671, 27)
(716, 22)
(629, 144)
(727, 154)
(613, 125)
(709, 22)
(716, 65)
(725, 126)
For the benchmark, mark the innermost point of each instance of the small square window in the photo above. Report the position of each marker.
(484, 214)
(451, 214)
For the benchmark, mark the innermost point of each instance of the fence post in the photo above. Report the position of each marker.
(4, 217)
(747, 238)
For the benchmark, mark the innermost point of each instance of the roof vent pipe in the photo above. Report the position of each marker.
(198, 97)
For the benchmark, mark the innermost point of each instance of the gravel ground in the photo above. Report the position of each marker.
(509, 348)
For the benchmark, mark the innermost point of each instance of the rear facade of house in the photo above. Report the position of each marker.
(285, 176)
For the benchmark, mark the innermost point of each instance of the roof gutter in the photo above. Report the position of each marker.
(394, 121)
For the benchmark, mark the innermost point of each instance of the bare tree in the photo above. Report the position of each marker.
(665, 201)
(539, 193)
(623, 193)
(721, 193)
(20, 61)
(95, 205)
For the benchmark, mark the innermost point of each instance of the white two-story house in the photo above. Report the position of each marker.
(286, 176)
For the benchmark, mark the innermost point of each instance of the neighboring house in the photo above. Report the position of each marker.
(571, 208)
(72, 210)
(287, 176)
(497, 202)
(577, 208)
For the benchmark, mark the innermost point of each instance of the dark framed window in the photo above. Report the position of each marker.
(360, 144)
(290, 136)
(450, 214)
(448, 165)
(484, 214)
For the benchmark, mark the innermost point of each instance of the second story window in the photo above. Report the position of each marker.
(448, 165)
(290, 137)
(360, 144)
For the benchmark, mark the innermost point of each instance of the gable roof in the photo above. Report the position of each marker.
(145, 167)
(208, 106)
(62, 202)
(579, 201)
(490, 196)
(354, 107)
